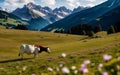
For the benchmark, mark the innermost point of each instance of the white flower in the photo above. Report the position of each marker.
(118, 67)
(63, 55)
(61, 65)
(24, 68)
(73, 67)
(107, 57)
(75, 71)
(86, 62)
(50, 69)
(65, 70)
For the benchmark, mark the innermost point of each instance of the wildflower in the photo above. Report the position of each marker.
(61, 64)
(118, 58)
(65, 70)
(33, 74)
(75, 71)
(73, 67)
(24, 68)
(84, 70)
(63, 55)
(100, 65)
(86, 62)
(118, 67)
(105, 73)
(50, 69)
(83, 66)
(107, 57)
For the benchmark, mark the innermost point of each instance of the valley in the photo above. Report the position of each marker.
(77, 48)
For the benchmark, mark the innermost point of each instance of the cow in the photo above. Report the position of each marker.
(32, 49)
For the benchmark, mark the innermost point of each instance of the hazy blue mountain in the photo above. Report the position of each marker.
(79, 8)
(31, 11)
(110, 18)
(85, 16)
(37, 24)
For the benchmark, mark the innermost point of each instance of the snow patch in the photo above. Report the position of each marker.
(60, 16)
(39, 13)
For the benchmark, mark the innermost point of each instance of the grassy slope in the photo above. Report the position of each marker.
(12, 19)
(73, 45)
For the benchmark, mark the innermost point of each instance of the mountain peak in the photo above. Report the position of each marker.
(105, 12)
(62, 8)
(31, 5)
(79, 8)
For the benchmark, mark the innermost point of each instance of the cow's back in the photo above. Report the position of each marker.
(30, 48)
(27, 48)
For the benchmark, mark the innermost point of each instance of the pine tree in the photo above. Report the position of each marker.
(111, 30)
(91, 34)
(97, 28)
(83, 32)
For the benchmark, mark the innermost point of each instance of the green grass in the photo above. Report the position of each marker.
(77, 48)
(12, 21)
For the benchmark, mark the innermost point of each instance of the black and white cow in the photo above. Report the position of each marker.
(32, 49)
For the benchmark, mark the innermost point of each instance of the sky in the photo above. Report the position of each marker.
(71, 4)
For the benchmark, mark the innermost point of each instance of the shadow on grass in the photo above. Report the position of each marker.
(14, 60)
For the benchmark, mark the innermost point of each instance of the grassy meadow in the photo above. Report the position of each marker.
(76, 48)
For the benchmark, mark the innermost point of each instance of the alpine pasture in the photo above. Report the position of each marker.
(68, 53)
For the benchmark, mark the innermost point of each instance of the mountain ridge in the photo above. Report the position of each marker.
(83, 17)
(46, 12)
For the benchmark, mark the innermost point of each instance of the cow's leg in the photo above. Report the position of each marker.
(22, 50)
(35, 54)
(22, 53)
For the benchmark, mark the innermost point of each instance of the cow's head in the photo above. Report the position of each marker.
(48, 50)
(45, 49)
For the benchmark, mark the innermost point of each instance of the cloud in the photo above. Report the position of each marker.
(48, 2)
(18, 3)
(73, 3)
(91, 0)
(90, 5)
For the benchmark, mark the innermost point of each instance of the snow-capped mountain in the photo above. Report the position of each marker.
(89, 16)
(31, 11)
(6, 10)
(26, 13)
(62, 12)
(37, 23)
